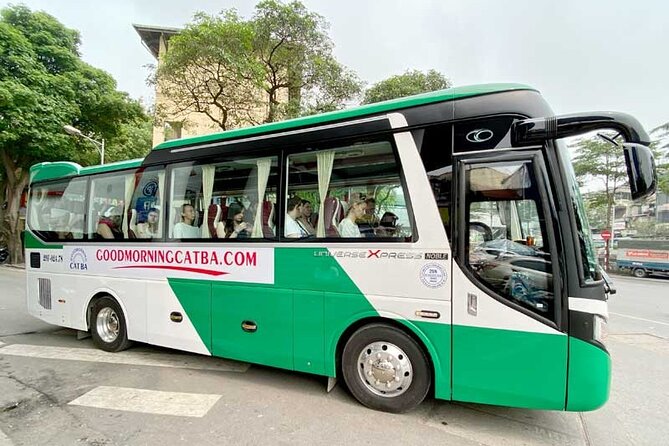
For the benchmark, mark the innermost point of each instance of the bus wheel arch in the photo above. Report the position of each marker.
(107, 322)
(406, 339)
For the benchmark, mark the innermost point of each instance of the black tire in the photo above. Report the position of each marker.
(386, 339)
(108, 327)
(640, 273)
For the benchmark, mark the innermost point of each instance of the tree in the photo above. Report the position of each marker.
(407, 84)
(44, 85)
(604, 162)
(661, 134)
(295, 51)
(277, 65)
(211, 69)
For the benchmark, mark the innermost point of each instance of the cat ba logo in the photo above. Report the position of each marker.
(78, 260)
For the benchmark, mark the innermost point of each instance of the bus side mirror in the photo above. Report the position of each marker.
(640, 170)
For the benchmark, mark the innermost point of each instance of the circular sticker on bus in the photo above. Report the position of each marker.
(433, 275)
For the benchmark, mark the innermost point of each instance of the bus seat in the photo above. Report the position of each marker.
(213, 217)
(224, 213)
(331, 216)
(268, 227)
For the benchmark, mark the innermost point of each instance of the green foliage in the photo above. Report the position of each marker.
(210, 68)
(604, 163)
(45, 85)
(661, 143)
(277, 65)
(407, 84)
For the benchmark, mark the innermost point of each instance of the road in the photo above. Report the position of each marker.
(55, 389)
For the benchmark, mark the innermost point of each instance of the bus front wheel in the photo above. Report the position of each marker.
(385, 369)
(108, 327)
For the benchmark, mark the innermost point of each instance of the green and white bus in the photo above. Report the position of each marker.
(434, 244)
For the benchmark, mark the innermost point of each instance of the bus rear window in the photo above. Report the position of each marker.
(56, 209)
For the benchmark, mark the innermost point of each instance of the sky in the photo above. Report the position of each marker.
(582, 55)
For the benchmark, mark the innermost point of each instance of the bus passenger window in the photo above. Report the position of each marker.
(110, 205)
(348, 192)
(186, 202)
(145, 217)
(230, 200)
(506, 242)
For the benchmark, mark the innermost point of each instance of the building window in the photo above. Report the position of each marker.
(173, 130)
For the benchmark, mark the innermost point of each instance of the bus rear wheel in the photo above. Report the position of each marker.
(640, 273)
(385, 369)
(108, 327)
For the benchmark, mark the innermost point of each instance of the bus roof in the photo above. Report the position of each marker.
(355, 112)
(59, 169)
(49, 171)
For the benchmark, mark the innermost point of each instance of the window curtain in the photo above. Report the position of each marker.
(129, 189)
(207, 191)
(324, 162)
(264, 167)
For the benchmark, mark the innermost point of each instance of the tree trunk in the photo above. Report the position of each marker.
(16, 179)
(13, 220)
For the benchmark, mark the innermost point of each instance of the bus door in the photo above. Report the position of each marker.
(507, 346)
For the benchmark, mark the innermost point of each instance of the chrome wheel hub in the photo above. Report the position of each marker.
(385, 369)
(107, 325)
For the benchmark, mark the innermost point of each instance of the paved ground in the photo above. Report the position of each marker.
(57, 390)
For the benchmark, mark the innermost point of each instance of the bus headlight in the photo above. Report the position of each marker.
(598, 328)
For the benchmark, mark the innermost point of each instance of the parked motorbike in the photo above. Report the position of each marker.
(4, 255)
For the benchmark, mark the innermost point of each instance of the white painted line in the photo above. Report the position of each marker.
(2, 344)
(639, 318)
(148, 401)
(129, 357)
(4, 439)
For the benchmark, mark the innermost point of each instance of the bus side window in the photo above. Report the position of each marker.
(109, 206)
(505, 238)
(186, 202)
(145, 219)
(352, 191)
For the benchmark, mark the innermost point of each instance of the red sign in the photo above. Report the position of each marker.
(606, 234)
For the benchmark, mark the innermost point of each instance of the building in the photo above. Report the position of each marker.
(175, 124)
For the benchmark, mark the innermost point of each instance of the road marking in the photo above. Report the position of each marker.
(129, 357)
(2, 344)
(639, 318)
(148, 401)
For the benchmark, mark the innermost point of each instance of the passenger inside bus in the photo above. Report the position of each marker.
(109, 226)
(387, 225)
(149, 228)
(306, 219)
(185, 228)
(234, 226)
(348, 227)
(292, 227)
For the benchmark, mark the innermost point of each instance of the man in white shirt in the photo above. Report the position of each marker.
(185, 228)
(292, 227)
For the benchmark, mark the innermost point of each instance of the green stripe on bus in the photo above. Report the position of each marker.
(509, 368)
(297, 323)
(32, 242)
(589, 376)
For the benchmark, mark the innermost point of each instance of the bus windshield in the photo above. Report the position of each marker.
(586, 245)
